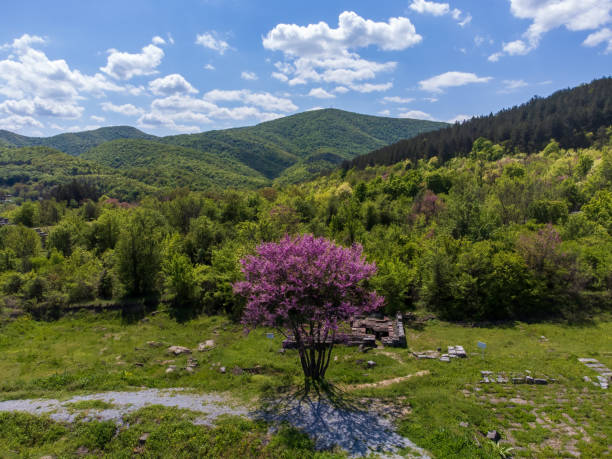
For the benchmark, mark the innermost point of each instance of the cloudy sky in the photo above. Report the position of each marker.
(177, 66)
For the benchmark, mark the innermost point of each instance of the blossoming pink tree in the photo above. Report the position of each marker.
(306, 287)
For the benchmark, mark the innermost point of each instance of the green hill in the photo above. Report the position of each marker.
(285, 144)
(74, 143)
(165, 165)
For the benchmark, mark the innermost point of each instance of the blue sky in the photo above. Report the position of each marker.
(177, 66)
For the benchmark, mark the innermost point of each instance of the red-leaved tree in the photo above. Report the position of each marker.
(306, 287)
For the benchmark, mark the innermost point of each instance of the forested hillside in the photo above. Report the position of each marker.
(74, 143)
(290, 149)
(475, 238)
(575, 118)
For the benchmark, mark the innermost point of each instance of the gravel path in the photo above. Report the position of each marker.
(209, 405)
(358, 431)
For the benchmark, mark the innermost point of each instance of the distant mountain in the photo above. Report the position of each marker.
(290, 149)
(290, 143)
(74, 143)
(574, 117)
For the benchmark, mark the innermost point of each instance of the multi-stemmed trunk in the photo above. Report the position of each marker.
(315, 351)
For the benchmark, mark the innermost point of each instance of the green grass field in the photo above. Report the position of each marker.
(446, 411)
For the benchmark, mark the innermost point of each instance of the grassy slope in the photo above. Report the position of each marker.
(160, 164)
(77, 354)
(74, 143)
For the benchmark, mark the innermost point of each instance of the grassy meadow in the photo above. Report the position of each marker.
(445, 411)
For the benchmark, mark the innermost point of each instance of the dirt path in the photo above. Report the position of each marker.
(387, 382)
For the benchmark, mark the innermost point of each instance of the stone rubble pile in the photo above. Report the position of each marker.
(453, 353)
(605, 375)
(501, 378)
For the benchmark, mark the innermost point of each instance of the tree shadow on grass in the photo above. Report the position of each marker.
(333, 417)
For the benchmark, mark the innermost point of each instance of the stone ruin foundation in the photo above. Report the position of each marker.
(366, 330)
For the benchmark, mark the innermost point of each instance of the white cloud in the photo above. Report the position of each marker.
(126, 109)
(341, 89)
(450, 79)
(98, 119)
(369, 87)
(512, 85)
(259, 99)
(602, 36)
(319, 53)
(171, 84)
(35, 86)
(459, 119)
(431, 99)
(17, 122)
(440, 9)
(157, 40)
(385, 112)
(425, 7)
(248, 75)
(353, 32)
(546, 15)
(124, 66)
(416, 114)
(209, 67)
(280, 76)
(320, 93)
(208, 40)
(397, 100)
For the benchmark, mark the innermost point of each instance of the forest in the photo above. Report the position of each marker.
(486, 236)
(575, 118)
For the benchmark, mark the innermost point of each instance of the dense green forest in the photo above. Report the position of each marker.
(73, 143)
(290, 149)
(575, 118)
(474, 238)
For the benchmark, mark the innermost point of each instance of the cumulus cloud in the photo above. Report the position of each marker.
(35, 86)
(416, 114)
(318, 53)
(208, 40)
(397, 100)
(124, 66)
(546, 15)
(385, 112)
(451, 79)
(259, 99)
(320, 93)
(125, 109)
(157, 40)
(440, 9)
(602, 36)
(171, 84)
(248, 76)
(209, 67)
(341, 89)
(98, 119)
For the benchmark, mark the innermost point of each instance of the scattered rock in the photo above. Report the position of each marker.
(493, 435)
(281, 351)
(237, 371)
(335, 358)
(139, 364)
(586, 379)
(371, 363)
(143, 438)
(206, 346)
(171, 369)
(222, 370)
(518, 380)
(528, 379)
(486, 373)
(178, 350)
(189, 369)
(166, 362)
(82, 451)
(154, 344)
(543, 338)
(540, 381)
(463, 424)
